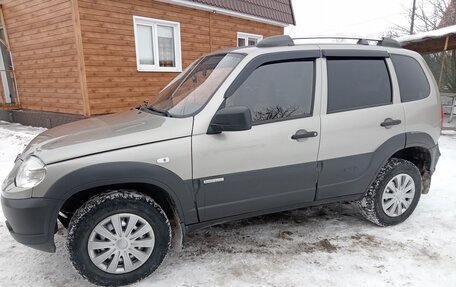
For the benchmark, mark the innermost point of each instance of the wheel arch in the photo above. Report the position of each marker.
(421, 150)
(161, 184)
(403, 146)
(419, 156)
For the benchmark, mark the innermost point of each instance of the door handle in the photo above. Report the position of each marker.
(388, 122)
(303, 134)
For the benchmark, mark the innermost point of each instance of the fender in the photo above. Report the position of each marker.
(419, 139)
(128, 172)
(424, 140)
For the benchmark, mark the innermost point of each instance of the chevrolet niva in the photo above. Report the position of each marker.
(239, 133)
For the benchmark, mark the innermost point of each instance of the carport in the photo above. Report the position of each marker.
(438, 47)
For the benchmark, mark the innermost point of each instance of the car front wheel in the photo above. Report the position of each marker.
(118, 238)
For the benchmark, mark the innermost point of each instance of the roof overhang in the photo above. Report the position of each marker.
(432, 41)
(222, 11)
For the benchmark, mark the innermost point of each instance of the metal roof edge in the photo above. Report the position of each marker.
(227, 12)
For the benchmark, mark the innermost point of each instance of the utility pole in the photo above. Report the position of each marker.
(413, 17)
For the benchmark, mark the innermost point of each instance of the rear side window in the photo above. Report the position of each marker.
(413, 83)
(357, 83)
(277, 91)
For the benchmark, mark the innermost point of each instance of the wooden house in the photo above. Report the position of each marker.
(67, 59)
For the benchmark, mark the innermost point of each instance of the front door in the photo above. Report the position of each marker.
(272, 165)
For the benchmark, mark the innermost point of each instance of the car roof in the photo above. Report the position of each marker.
(317, 44)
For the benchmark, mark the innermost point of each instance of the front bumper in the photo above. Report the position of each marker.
(32, 221)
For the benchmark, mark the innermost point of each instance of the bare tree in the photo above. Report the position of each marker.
(429, 15)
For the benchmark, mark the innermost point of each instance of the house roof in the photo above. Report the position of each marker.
(275, 10)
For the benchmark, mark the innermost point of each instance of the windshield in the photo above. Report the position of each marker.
(191, 89)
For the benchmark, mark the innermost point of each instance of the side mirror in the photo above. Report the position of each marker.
(231, 119)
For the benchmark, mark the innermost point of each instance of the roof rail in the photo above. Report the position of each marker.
(388, 42)
(285, 40)
(338, 38)
(276, 41)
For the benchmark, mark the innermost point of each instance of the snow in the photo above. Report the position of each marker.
(318, 246)
(427, 35)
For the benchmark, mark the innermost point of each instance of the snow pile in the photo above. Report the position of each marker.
(443, 32)
(331, 245)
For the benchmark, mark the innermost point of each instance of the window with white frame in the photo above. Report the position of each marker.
(246, 39)
(158, 46)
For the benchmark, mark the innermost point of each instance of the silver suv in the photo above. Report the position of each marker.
(239, 133)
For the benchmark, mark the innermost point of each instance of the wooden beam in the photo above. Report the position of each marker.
(9, 106)
(442, 66)
(80, 56)
(446, 42)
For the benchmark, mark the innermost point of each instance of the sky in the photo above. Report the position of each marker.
(367, 18)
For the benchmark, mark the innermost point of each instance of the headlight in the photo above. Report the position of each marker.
(30, 173)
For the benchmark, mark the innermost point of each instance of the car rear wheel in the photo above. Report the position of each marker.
(394, 194)
(118, 238)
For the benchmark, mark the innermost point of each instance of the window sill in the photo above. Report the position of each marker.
(159, 70)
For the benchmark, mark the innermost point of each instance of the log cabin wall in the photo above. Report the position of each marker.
(42, 40)
(113, 82)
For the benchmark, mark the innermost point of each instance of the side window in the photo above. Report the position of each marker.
(413, 83)
(157, 45)
(357, 83)
(246, 39)
(277, 91)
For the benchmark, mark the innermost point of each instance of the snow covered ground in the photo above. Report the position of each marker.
(329, 245)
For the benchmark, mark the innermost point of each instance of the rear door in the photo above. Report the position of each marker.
(362, 121)
(265, 167)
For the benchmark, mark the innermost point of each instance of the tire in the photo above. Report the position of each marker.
(381, 194)
(98, 215)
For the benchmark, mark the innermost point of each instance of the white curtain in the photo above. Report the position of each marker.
(166, 52)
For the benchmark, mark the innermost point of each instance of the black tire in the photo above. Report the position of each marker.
(102, 206)
(371, 204)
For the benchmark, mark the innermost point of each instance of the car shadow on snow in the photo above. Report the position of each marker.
(304, 230)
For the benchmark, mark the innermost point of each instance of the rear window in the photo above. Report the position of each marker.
(357, 83)
(413, 83)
